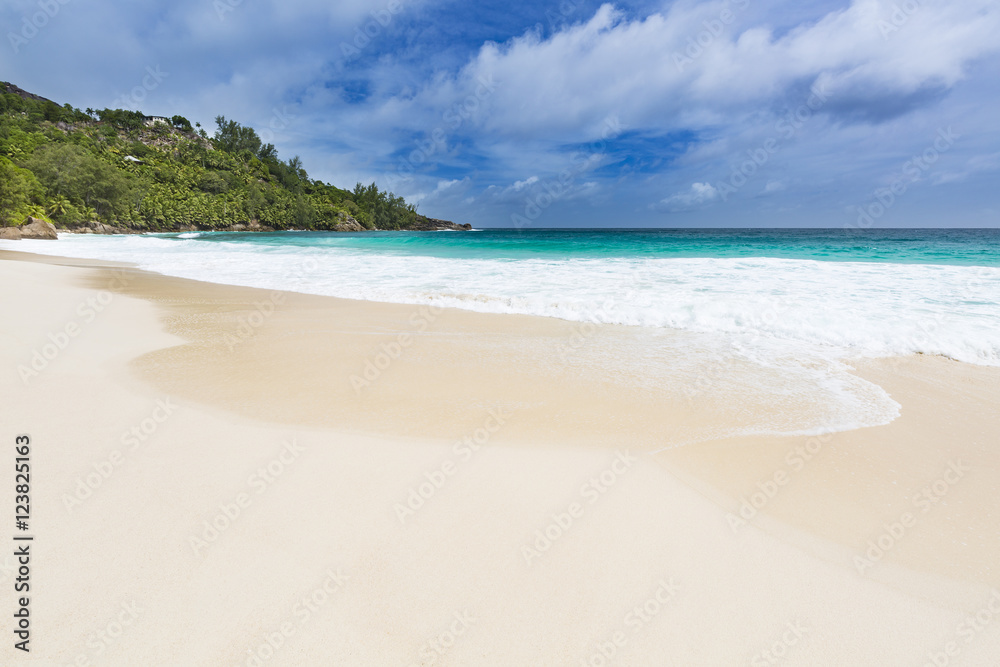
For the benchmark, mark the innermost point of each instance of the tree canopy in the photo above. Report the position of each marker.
(107, 165)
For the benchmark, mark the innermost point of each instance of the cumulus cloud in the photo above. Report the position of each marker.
(512, 192)
(520, 185)
(646, 71)
(450, 187)
(694, 89)
(683, 69)
(698, 195)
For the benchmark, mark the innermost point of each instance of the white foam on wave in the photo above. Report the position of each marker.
(855, 308)
(801, 319)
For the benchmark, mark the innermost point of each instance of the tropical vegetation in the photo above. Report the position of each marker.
(112, 166)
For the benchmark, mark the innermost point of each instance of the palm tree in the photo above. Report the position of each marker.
(89, 213)
(58, 206)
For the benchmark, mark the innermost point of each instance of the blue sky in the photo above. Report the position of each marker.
(573, 113)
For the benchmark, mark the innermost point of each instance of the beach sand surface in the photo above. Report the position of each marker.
(211, 487)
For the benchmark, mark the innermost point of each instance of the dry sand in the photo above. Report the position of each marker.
(176, 405)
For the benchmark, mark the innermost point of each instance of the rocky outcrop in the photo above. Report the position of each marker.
(255, 226)
(35, 228)
(348, 224)
(11, 88)
(435, 225)
(252, 226)
(95, 227)
(101, 228)
(10, 233)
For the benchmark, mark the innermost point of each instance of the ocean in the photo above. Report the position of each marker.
(799, 303)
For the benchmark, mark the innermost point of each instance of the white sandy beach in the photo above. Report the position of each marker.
(403, 522)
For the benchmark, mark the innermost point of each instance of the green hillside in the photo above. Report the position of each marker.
(114, 167)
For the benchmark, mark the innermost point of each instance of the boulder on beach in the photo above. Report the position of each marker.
(10, 233)
(101, 228)
(348, 224)
(35, 228)
(95, 227)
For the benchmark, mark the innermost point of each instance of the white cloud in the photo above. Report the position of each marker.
(512, 192)
(564, 85)
(699, 194)
(520, 185)
(975, 165)
(549, 94)
(443, 186)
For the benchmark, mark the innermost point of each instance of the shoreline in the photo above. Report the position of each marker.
(350, 226)
(806, 308)
(665, 515)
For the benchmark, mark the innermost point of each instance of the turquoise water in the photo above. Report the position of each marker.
(837, 293)
(782, 312)
(968, 247)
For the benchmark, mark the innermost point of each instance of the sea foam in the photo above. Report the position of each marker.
(804, 320)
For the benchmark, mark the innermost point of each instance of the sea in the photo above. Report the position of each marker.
(794, 299)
